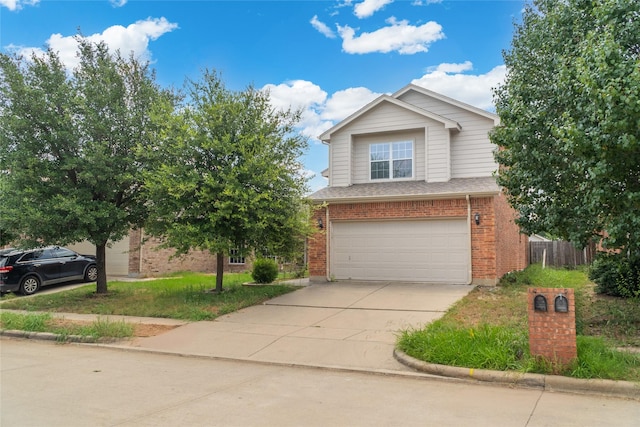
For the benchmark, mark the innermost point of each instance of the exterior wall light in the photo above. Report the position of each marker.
(476, 217)
(320, 224)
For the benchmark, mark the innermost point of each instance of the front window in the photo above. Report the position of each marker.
(235, 257)
(391, 160)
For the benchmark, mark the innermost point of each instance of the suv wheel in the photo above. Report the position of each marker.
(91, 274)
(29, 285)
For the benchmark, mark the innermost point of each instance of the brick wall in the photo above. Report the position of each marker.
(317, 247)
(483, 241)
(552, 334)
(484, 238)
(147, 259)
(511, 245)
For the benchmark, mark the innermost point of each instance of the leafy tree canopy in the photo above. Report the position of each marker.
(71, 144)
(229, 175)
(569, 139)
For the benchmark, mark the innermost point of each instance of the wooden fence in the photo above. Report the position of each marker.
(559, 254)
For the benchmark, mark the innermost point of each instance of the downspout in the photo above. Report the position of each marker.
(327, 234)
(470, 273)
(140, 252)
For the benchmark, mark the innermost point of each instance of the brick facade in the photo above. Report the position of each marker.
(496, 244)
(147, 259)
(552, 334)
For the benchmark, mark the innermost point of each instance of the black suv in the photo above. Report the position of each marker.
(25, 271)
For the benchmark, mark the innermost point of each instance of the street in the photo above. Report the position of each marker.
(48, 384)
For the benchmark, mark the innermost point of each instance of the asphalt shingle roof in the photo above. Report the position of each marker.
(408, 190)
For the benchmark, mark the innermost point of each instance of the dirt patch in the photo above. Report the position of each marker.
(140, 330)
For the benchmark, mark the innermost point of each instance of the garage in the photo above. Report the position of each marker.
(435, 251)
(117, 255)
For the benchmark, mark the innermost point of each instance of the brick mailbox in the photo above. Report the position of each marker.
(552, 324)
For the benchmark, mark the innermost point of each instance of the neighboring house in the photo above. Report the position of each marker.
(412, 196)
(139, 256)
(539, 238)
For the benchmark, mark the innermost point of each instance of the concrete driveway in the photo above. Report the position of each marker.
(342, 324)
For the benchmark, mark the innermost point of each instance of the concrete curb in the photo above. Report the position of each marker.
(49, 336)
(611, 388)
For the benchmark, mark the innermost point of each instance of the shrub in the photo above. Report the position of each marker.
(515, 278)
(616, 274)
(264, 270)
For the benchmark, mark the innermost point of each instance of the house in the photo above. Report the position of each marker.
(412, 196)
(139, 256)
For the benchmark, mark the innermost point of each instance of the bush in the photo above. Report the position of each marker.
(616, 275)
(515, 278)
(264, 270)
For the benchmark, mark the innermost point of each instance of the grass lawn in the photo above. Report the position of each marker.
(488, 329)
(45, 322)
(182, 296)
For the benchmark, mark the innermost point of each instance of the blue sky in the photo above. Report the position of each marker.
(327, 57)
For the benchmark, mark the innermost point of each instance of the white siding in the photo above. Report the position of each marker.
(349, 158)
(340, 160)
(361, 144)
(471, 151)
(438, 154)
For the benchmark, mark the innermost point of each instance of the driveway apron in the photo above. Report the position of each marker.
(340, 324)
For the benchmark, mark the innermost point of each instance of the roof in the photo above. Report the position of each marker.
(408, 190)
(448, 124)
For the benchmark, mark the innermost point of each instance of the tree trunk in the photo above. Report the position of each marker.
(219, 271)
(101, 260)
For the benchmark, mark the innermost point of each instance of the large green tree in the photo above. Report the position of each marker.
(72, 146)
(230, 175)
(569, 138)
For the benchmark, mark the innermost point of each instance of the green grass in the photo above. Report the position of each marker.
(488, 329)
(183, 296)
(45, 322)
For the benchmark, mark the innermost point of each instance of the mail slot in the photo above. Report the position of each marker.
(540, 303)
(561, 304)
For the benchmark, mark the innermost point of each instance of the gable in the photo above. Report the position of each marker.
(443, 105)
(450, 139)
(401, 108)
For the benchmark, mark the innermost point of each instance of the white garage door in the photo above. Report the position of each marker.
(434, 251)
(117, 255)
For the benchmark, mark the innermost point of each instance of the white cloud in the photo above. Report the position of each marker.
(474, 89)
(425, 2)
(319, 112)
(296, 94)
(369, 7)
(17, 4)
(301, 95)
(452, 68)
(322, 27)
(133, 38)
(346, 102)
(398, 36)
(118, 3)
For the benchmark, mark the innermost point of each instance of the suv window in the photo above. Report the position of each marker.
(39, 254)
(30, 256)
(63, 252)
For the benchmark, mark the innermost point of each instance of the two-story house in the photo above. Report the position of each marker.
(412, 196)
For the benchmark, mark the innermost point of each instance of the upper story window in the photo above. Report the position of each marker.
(391, 160)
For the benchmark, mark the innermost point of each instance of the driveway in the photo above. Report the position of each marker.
(342, 324)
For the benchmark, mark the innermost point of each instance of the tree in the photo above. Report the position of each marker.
(230, 176)
(71, 145)
(569, 138)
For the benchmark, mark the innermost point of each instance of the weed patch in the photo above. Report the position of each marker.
(488, 329)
